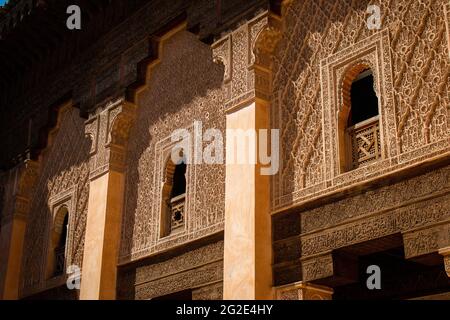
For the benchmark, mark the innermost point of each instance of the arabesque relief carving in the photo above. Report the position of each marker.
(418, 210)
(409, 60)
(246, 54)
(162, 109)
(63, 174)
(109, 129)
(235, 69)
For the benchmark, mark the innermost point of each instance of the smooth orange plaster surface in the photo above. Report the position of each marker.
(247, 253)
(99, 270)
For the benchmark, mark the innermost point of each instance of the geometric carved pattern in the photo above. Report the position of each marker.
(425, 214)
(418, 243)
(163, 109)
(366, 144)
(64, 175)
(421, 203)
(318, 268)
(194, 268)
(109, 129)
(417, 208)
(411, 66)
(373, 52)
(392, 197)
(245, 56)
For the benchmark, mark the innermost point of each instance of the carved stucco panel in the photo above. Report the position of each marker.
(416, 215)
(413, 85)
(424, 241)
(61, 170)
(177, 94)
(196, 268)
(385, 198)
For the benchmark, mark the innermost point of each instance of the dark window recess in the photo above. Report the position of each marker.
(60, 250)
(179, 181)
(364, 101)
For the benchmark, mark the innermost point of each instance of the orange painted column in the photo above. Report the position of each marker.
(248, 254)
(13, 226)
(109, 131)
(247, 57)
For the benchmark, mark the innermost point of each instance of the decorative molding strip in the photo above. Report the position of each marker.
(364, 176)
(386, 199)
(426, 213)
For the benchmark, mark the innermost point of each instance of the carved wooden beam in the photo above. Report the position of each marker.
(426, 241)
(304, 291)
(336, 268)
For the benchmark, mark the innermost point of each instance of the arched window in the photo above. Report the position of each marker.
(173, 198)
(60, 250)
(58, 243)
(360, 142)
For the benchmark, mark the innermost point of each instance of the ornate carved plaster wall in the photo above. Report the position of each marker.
(417, 123)
(184, 86)
(63, 179)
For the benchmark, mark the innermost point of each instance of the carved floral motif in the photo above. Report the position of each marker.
(413, 68)
(172, 100)
(62, 169)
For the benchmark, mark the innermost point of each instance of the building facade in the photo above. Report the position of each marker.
(357, 90)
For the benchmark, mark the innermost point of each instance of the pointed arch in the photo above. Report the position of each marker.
(57, 251)
(359, 118)
(173, 198)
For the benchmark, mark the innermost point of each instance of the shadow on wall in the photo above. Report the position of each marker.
(63, 165)
(297, 95)
(297, 102)
(185, 75)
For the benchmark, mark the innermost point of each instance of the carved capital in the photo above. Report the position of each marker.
(109, 130)
(318, 268)
(266, 44)
(304, 291)
(337, 267)
(426, 241)
(28, 175)
(246, 54)
(16, 204)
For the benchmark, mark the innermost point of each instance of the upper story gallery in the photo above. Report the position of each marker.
(358, 89)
